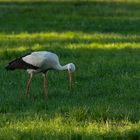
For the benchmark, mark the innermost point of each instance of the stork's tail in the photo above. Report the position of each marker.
(9, 67)
(20, 64)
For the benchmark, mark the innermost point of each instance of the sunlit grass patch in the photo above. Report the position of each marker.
(71, 40)
(14, 45)
(102, 37)
(60, 127)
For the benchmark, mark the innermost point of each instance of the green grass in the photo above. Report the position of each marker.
(103, 39)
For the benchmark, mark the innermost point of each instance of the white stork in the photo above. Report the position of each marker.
(40, 62)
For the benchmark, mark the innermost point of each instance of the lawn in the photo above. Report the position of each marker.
(102, 38)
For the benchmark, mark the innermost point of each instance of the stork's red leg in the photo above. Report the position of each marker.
(28, 85)
(45, 84)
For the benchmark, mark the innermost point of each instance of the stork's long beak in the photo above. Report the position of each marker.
(70, 78)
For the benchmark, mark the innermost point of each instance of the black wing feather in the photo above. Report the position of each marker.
(20, 64)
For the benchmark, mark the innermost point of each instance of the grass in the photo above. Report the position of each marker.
(103, 39)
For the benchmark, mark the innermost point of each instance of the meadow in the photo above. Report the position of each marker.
(102, 38)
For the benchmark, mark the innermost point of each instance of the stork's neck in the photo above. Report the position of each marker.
(61, 68)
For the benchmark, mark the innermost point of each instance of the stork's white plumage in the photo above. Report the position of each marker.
(40, 62)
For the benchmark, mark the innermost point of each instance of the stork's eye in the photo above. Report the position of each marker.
(70, 69)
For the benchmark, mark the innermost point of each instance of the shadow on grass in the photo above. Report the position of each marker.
(118, 17)
(105, 86)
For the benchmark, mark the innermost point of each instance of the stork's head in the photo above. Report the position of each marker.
(71, 68)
